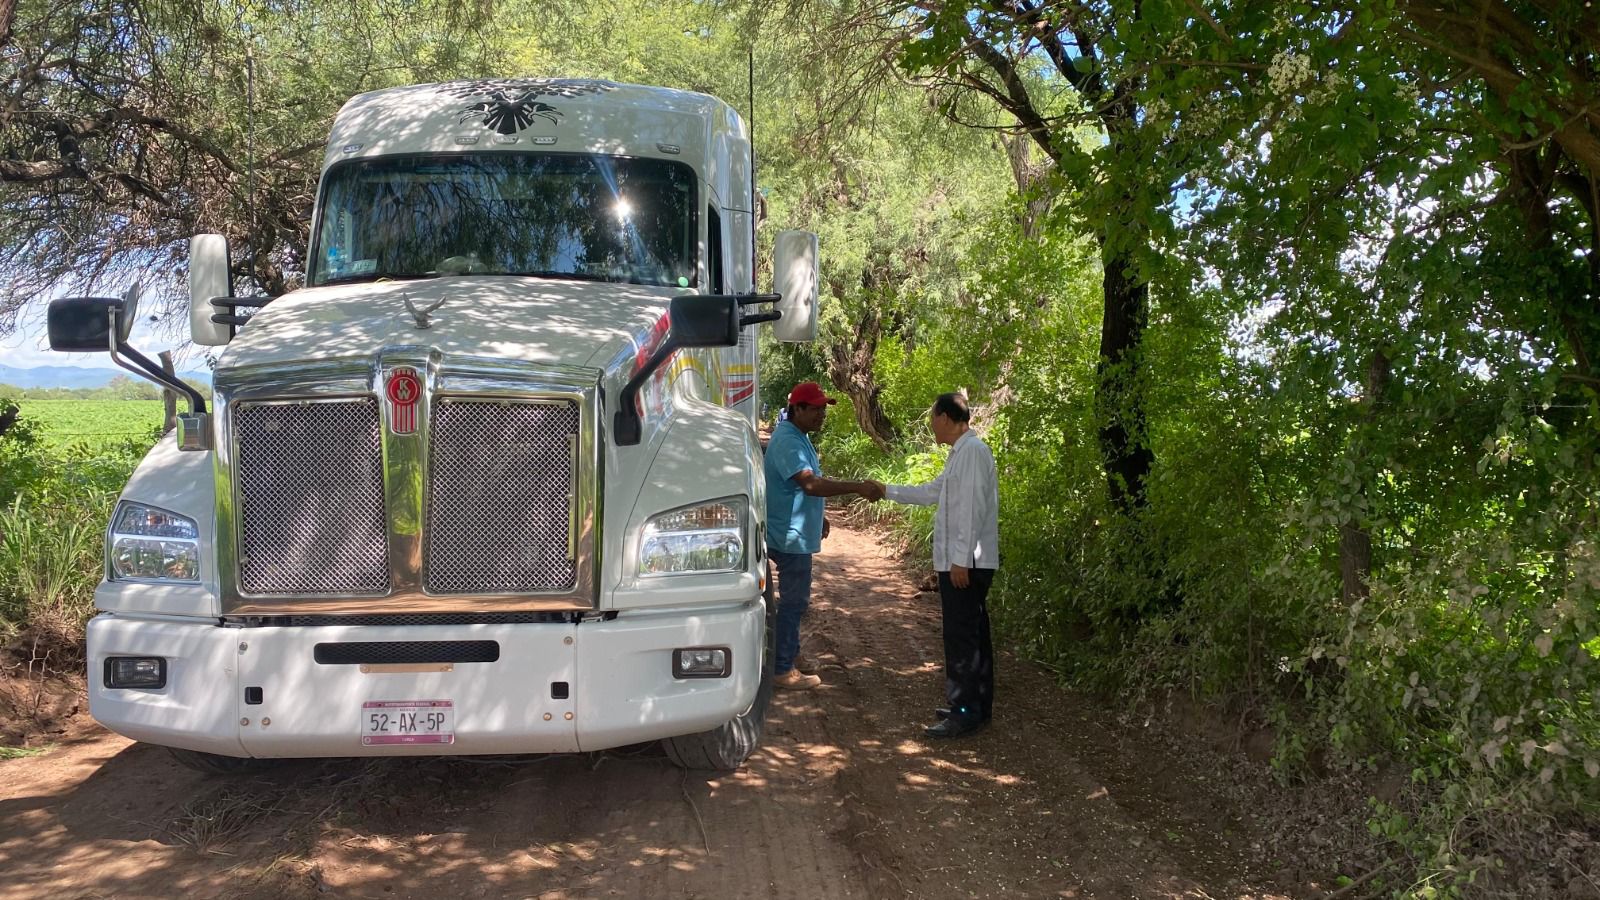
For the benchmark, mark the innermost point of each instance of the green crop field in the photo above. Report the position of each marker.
(93, 422)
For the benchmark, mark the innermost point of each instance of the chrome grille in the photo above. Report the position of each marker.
(500, 503)
(310, 498)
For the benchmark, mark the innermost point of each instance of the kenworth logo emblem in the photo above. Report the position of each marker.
(404, 390)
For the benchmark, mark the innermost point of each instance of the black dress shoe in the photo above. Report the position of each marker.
(955, 726)
(943, 712)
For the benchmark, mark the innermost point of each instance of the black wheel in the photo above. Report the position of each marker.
(727, 746)
(216, 764)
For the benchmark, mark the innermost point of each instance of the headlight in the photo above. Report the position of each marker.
(151, 543)
(148, 672)
(704, 538)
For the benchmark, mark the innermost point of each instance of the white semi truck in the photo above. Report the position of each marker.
(490, 482)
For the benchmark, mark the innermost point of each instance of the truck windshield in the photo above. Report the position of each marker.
(592, 217)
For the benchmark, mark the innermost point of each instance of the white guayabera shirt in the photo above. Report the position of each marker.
(966, 526)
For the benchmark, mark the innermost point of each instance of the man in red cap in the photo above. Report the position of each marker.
(795, 522)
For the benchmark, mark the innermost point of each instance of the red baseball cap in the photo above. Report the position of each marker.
(810, 393)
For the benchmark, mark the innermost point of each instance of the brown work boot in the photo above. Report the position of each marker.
(804, 663)
(795, 680)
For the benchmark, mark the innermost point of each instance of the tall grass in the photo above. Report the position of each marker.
(51, 552)
(55, 502)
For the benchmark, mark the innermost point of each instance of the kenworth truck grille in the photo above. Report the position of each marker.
(503, 477)
(485, 502)
(310, 498)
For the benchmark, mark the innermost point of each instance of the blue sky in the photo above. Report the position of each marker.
(26, 347)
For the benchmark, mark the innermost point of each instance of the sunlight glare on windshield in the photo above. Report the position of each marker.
(549, 215)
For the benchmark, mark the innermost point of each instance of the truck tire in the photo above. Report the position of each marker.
(727, 746)
(216, 764)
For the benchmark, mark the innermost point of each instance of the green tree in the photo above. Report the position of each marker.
(127, 126)
(1053, 67)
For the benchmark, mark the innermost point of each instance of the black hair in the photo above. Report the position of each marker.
(953, 407)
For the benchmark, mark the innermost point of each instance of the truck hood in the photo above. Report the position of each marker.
(538, 321)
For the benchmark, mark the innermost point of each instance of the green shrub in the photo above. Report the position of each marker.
(51, 558)
(56, 505)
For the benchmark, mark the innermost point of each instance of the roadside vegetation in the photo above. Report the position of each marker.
(1280, 320)
(58, 483)
(92, 423)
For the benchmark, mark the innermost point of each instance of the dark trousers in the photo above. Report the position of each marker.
(968, 652)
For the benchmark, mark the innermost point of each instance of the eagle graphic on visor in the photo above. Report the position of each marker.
(509, 105)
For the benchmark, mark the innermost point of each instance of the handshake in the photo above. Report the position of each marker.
(871, 490)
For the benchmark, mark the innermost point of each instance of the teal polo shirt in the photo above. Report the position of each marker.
(794, 520)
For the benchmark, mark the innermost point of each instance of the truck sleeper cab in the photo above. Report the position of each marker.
(490, 482)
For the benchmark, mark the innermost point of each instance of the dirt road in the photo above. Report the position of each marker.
(846, 799)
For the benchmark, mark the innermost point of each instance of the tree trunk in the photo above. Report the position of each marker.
(1355, 561)
(1355, 541)
(169, 398)
(1531, 175)
(850, 369)
(1123, 234)
(1119, 398)
(8, 13)
(1030, 178)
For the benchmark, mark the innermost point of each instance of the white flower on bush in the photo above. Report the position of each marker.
(1288, 72)
(1327, 90)
(1201, 119)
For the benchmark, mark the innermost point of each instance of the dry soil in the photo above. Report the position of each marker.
(845, 799)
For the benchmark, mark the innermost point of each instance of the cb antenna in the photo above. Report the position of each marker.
(755, 210)
(250, 137)
(249, 140)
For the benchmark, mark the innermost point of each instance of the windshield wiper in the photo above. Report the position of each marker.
(540, 273)
(371, 276)
(551, 273)
(589, 276)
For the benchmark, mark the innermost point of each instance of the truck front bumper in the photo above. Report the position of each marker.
(261, 691)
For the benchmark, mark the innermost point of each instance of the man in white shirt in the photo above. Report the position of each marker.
(966, 550)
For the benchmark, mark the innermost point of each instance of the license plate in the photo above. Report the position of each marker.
(408, 722)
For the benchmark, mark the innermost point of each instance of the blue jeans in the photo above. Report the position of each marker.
(794, 598)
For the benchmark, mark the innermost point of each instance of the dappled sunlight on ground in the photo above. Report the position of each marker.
(846, 798)
(1008, 811)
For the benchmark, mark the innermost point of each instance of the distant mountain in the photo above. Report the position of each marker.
(73, 376)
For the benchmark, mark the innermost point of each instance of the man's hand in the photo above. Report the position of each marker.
(873, 490)
(825, 526)
(958, 576)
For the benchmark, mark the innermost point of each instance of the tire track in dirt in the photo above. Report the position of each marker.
(1013, 810)
(108, 817)
(844, 799)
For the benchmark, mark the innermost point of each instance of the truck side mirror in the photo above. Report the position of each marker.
(795, 275)
(102, 325)
(700, 320)
(208, 279)
(84, 324)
